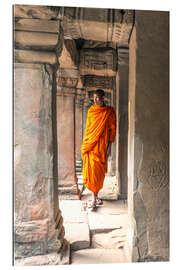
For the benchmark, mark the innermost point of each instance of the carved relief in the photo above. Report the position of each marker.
(98, 44)
(67, 77)
(102, 63)
(105, 25)
(158, 175)
(155, 173)
(126, 27)
(95, 82)
(122, 29)
(67, 82)
(36, 12)
(153, 170)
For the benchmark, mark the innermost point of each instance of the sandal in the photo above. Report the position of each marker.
(99, 201)
(92, 206)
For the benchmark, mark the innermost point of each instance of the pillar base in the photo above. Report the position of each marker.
(48, 259)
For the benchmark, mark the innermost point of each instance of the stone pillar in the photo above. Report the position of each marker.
(148, 154)
(122, 115)
(38, 224)
(80, 93)
(86, 106)
(66, 90)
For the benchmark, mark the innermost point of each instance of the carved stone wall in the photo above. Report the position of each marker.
(92, 82)
(98, 62)
(148, 164)
(98, 24)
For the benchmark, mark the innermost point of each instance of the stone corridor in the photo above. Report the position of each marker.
(61, 55)
(95, 236)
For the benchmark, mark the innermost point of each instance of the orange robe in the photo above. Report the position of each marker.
(100, 129)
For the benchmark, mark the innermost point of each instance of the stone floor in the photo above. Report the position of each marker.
(95, 236)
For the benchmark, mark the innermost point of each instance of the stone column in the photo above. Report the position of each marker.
(122, 116)
(80, 93)
(38, 224)
(66, 90)
(148, 154)
(86, 106)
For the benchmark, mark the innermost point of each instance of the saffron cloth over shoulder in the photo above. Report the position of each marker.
(100, 130)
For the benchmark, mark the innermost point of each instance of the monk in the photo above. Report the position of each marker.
(96, 146)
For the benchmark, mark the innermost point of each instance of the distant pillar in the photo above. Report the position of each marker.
(86, 106)
(122, 116)
(66, 90)
(80, 93)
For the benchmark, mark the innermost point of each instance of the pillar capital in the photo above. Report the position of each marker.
(36, 40)
(67, 78)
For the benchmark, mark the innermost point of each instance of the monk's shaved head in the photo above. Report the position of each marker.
(99, 92)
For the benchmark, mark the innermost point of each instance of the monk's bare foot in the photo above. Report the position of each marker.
(99, 201)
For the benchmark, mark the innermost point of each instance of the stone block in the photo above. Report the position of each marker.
(29, 56)
(48, 259)
(35, 12)
(78, 235)
(114, 239)
(96, 256)
(37, 25)
(72, 211)
(36, 40)
(105, 223)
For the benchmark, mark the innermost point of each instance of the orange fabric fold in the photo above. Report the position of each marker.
(100, 129)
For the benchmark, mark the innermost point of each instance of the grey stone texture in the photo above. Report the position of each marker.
(35, 200)
(98, 256)
(148, 162)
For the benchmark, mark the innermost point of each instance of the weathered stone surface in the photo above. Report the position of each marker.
(36, 12)
(111, 207)
(96, 256)
(72, 211)
(35, 207)
(48, 259)
(94, 82)
(69, 55)
(114, 239)
(97, 44)
(107, 25)
(66, 139)
(79, 126)
(104, 223)
(122, 115)
(78, 235)
(98, 62)
(37, 25)
(148, 152)
(38, 57)
(29, 39)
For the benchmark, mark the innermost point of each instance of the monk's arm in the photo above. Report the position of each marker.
(109, 149)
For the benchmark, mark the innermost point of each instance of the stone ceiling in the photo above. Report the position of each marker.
(92, 38)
